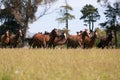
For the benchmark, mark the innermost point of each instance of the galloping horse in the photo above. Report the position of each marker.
(73, 41)
(44, 40)
(15, 39)
(38, 40)
(88, 42)
(5, 39)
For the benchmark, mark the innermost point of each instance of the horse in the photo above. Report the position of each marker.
(38, 40)
(60, 40)
(88, 42)
(73, 41)
(5, 39)
(15, 39)
(85, 36)
(106, 41)
(44, 40)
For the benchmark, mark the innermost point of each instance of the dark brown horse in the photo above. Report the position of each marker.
(73, 41)
(15, 39)
(88, 42)
(106, 41)
(5, 39)
(44, 40)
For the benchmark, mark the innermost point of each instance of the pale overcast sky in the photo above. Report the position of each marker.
(48, 22)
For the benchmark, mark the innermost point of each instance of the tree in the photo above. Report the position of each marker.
(23, 11)
(112, 15)
(65, 15)
(9, 26)
(90, 15)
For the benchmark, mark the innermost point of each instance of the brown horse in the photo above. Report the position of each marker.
(5, 39)
(106, 41)
(73, 41)
(38, 40)
(60, 40)
(44, 40)
(88, 42)
(15, 39)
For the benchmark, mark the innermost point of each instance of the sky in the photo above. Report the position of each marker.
(48, 22)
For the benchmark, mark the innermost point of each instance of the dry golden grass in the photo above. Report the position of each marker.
(59, 64)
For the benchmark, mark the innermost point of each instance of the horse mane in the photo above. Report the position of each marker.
(84, 34)
(46, 33)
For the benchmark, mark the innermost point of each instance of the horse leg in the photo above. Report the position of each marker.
(112, 45)
(84, 45)
(33, 45)
(67, 44)
(103, 46)
(2, 45)
(15, 45)
(79, 43)
(44, 44)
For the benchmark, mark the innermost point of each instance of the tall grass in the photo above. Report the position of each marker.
(60, 64)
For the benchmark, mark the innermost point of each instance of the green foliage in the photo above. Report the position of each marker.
(65, 15)
(101, 32)
(111, 14)
(88, 11)
(12, 26)
(5, 76)
(63, 19)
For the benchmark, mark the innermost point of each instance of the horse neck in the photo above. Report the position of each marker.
(84, 35)
(92, 41)
(6, 35)
(52, 36)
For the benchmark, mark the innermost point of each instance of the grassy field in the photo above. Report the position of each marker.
(59, 64)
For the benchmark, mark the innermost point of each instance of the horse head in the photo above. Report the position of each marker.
(19, 32)
(95, 34)
(7, 33)
(65, 35)
(54, 33)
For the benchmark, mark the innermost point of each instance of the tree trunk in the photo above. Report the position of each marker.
(89, 25)
(115, 34)
(67, 24)
(25, 35)
(66, 16)
(92, 25)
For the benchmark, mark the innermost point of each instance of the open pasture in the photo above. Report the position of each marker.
(59, 64)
